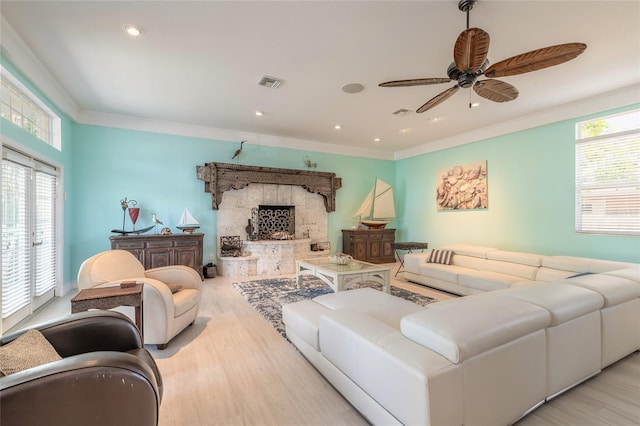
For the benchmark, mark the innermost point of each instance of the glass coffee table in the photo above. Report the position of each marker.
(339, 277)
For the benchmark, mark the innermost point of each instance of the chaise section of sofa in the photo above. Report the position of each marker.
(399, 363)
(486, 359)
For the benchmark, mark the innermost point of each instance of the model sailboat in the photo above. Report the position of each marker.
(377, 209)
(187, 222)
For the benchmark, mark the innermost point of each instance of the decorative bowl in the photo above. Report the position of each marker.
(341, 259)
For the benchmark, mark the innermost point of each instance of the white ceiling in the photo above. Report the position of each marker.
(198, 63)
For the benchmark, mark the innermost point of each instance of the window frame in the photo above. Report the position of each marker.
(616, 200)
(55, 122)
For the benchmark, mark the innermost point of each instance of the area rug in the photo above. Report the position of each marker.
(268, 296)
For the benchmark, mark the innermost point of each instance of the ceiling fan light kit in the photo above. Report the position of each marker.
(470, 62)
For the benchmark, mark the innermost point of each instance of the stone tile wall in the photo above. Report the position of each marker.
(234, 211)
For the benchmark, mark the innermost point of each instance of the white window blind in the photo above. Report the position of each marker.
(44, 233)
(608, 180)
(30, 269)
(15, 238)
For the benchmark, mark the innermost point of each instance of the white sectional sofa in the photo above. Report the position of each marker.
(486, 359)
(476, 269)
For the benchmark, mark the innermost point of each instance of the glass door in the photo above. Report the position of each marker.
(28, 236)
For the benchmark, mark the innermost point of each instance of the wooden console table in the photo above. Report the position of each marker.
(369, 245)
(109, 298)
(154, 251)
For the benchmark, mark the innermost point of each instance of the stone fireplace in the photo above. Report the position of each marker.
(237, 191)
(278, 208)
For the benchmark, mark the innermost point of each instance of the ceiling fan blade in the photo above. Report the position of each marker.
(437, 100)
(470, 50)
(414, 82)
(496, 90)
(535, 60)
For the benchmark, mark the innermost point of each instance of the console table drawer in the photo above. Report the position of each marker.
(160, 243)
(124, 245)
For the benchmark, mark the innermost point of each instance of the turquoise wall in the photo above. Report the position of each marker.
(531, 191)
(159, 172)
(530, 178)
(15, 136)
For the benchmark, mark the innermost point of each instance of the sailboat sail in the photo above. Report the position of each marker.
(187, 220)
(378, 206)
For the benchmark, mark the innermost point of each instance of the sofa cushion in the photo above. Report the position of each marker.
(413, 261)
(515, 269)
(566, 263)
(516, 257)
(583, 264)
(486, 280)
(632, 273)
(381, 306)
(468, 326)
(468, 250)
(447, 273)
(615, 290)
(443, 257)
(472, 262)
(27, 351)
(563, 301)
(550, 274)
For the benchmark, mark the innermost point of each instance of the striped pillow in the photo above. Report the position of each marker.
(441, 256)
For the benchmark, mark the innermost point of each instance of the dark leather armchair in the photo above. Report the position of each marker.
(105, 376)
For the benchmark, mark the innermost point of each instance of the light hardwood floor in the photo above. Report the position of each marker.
(232, 368)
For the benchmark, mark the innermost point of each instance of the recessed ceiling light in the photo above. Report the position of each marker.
(133, 30)
(404, 130)
(259, 113)
(352, 88)
(377, 139)
(337, 127)
(474, 104)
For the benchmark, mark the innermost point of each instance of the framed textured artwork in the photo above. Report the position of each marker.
(462, 187)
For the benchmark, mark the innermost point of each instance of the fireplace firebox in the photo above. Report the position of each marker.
(276, 219)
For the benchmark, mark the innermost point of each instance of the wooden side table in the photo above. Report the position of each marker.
(109, 298)
(409, 247)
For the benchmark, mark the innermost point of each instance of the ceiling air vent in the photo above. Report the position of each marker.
(401, 111)
(270, 82)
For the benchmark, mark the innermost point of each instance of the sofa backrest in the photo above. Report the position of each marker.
(468, 250)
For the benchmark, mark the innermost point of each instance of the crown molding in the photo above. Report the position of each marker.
(97, 118)
(591, 105)
(23, 58)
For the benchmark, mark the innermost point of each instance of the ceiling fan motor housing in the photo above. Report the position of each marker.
(466, 5)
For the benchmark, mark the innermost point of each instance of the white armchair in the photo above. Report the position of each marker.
(165, 314)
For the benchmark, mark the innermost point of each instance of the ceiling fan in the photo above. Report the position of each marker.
(470, 62)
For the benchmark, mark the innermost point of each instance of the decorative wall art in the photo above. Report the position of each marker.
(462, 187)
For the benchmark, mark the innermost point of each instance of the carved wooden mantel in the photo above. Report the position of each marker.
(221, 177)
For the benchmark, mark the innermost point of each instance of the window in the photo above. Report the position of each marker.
(29, 273)
(608, 175)
(24, 109)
